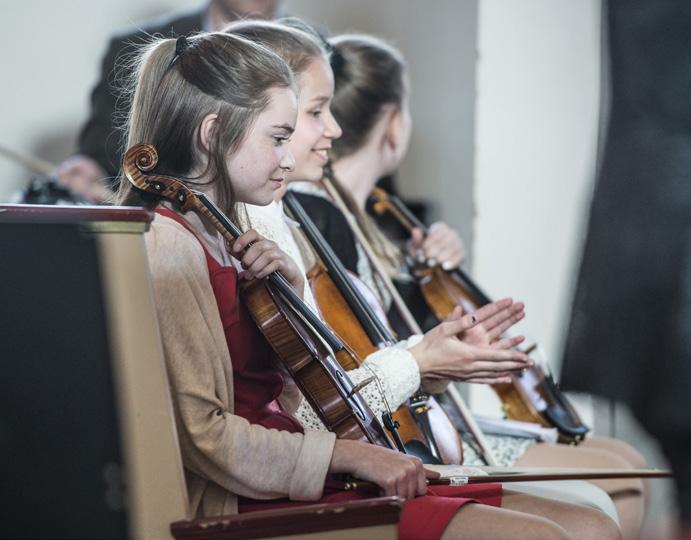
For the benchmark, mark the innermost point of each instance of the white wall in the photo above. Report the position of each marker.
(50, 60)
(538, 84)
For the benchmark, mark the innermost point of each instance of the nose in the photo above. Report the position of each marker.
(333, 130)
(287, 164)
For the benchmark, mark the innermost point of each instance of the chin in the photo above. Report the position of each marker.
(261, 199)
(313, 174)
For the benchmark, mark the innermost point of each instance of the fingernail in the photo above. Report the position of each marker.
(446, 265)
(431, 263)
(420, 256)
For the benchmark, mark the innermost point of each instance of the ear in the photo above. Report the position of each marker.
(206, 129)
(392, 133)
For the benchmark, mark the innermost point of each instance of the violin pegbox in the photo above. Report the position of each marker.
(142, 158)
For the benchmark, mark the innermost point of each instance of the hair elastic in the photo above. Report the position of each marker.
(181, 45)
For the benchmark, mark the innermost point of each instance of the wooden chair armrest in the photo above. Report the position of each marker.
(317, 518)
(40, 213)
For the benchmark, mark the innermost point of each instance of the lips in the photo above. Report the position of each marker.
(322, 154)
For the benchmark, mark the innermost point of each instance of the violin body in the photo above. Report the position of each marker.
(311, 366)
(343, 321)
(443, 291)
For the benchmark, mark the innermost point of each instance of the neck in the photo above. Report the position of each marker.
(358, 173)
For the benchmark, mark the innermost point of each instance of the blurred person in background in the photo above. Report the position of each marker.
(630, 333)
(91, 171)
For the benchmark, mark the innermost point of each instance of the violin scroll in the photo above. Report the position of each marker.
(141, 159)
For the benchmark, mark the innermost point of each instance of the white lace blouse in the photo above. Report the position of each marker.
(396, 371)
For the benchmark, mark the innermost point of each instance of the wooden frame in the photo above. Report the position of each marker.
(357, 519)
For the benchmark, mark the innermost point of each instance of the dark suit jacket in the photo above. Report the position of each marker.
(100, 138)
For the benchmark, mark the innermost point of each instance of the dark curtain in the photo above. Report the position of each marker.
(630, 332)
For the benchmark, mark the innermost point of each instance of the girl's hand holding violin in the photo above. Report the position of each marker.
(466, 348)
(442, 245)
(263, 257)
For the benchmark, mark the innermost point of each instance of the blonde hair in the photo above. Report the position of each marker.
(176, 84)
(290, 38)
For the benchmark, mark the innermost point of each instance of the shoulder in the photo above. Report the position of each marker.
(173, 249)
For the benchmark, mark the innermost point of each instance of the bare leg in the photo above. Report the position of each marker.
(481, 522)
(581, 522)
(623, 450)
(627, 494)
(525, 517)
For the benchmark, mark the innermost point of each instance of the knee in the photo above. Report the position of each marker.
(547, 530)
(623, 486)
(598, 525)
(628, 453)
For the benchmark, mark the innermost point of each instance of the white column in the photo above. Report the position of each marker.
(538, 84)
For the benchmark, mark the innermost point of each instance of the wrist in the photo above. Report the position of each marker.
(420, 353)
(343, 456)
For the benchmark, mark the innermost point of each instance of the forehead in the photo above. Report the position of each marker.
(317, 80)
(281, 110)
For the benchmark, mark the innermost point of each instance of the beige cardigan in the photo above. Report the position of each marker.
(223, 454)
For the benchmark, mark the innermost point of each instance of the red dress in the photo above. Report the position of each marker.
(257, 383)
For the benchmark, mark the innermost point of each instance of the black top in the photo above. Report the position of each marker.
(99, 138)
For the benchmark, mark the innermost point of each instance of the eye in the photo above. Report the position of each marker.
(279, 141)
(316, 113)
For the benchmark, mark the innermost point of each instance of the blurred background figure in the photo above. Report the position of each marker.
(89, 172)
(630, 332)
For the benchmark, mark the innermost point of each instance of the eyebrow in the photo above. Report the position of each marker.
(289, 129)
(323, 98)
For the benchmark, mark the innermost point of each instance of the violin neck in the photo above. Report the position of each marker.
(231, 232)
(376, 330)
(409, 221)
(405, 216)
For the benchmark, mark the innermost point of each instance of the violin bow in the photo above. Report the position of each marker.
(461, 476)
(35, 165)
(453, 393)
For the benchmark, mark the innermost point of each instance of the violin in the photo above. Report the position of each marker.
(423, 426)
(297, 335)
(531, 396)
